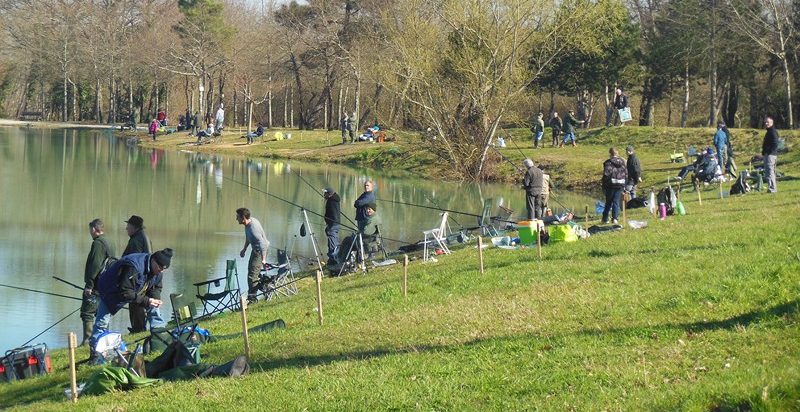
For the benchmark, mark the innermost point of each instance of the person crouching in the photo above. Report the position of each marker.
(134, 278)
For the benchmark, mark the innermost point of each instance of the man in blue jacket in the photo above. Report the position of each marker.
(363, 216)
(720, 142)
(134, 278)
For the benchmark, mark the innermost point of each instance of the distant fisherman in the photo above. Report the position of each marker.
(138, 243)
(135, 278)
(532, 183)
(332, 222)
(257, 239)
(99, 254)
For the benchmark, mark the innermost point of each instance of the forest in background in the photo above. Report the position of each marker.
(462, 68)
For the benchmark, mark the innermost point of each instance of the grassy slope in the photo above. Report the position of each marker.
(695, 312)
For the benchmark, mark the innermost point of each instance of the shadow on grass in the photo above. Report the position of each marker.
(746, 319)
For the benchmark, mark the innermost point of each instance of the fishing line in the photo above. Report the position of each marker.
(314, 189)
(44, 331)
(42, 292)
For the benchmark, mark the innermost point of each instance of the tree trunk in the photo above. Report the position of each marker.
(339, 115)
(112, 96)
(646, 110)
(269, 102)
(685, 109)
(608, 103)
(236, 109)
(291, 108)
(285, 107)
(788, 84)
(712, 85)
(357, 111)
(669, 110)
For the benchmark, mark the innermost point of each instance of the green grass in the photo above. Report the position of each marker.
(697, 312)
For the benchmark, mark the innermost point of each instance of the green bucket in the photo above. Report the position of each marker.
(527, 232)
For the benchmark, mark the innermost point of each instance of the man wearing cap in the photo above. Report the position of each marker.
(720, 142)
(135, 278)
(532, 183)
(99, 254)
(255, 237)
(138, 243)
(363, 218)
(333, 209)
(634, 172)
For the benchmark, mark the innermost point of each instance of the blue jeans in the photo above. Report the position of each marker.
(332, 232)
(103, 318)
(569, 136)
(613, 198)
(537, 139)
(721, 153)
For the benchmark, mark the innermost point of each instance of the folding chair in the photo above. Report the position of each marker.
(228, 298)
(438, 235)
(183, 310)
(281, 282)
(485, 220)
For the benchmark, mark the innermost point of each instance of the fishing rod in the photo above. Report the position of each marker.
(68, 283)
(315, 190)
(42, 292)
(45, 331)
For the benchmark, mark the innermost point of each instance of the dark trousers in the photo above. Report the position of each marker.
(332, 232)
(533, 204)
(613, 198)
(555, 138)
(254, 266)
(138, 317)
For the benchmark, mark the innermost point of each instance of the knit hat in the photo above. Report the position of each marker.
(328, 189)
(163, 257)
(136, 221)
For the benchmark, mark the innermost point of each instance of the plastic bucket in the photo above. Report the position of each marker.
(527, 232)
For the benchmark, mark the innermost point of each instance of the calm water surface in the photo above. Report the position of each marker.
(53, 182)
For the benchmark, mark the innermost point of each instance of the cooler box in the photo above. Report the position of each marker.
(527, 231)
(25, 362)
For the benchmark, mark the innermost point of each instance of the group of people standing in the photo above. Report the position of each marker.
(135, 279)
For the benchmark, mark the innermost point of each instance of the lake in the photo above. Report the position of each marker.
(53, 182)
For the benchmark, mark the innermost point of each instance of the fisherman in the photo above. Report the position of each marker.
(138, 243)
(615, 175)
(332, 222)
(538, 129)
(257, 239)
(134, 278)
(99, 254)
(532, 183)
(555, 126)
(570, 123)
(634, 172)
(363, 219)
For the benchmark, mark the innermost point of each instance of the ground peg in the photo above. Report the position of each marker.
(245, 334)
(319, 296)
(72, 343)
(405, 276)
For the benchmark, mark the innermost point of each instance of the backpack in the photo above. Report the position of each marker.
(740, 186)
(667, 197)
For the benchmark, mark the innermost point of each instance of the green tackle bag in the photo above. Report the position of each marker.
(562, 233)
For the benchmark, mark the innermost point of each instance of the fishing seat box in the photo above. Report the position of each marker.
(25, 362)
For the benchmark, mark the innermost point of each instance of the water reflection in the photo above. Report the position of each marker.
(53, 182)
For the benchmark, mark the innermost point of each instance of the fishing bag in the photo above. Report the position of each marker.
(667, 197)
(562, 233)
(25, 362)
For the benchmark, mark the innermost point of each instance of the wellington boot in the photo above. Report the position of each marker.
(87, 331)
(574, 144)
(236, 367)
(561, 144)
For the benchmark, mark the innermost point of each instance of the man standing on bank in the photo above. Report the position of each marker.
(333, 209)
(532, 183)
(101, 250)
(363, 217)
(134, 278)
(254, 237)
(769, 149)
(138, 243)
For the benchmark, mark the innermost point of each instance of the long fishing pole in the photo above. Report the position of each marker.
(45, 331)
(42, 292)
(521, 169)
(315, 190)
(67, 282)
(515, 145)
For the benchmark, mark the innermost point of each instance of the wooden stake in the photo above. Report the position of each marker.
(405, 276)
(245, 333)
(539, 240)
(624, 204)
(480, 252)
(699, 198)
(720, 189)
(72, 343)
(319, 296)
(586, 214)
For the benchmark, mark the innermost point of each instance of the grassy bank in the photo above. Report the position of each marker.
(574, 168)
(699, 312)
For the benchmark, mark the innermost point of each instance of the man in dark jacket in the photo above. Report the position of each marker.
(101, 250)
(620, 103)
(555, 126)
(333, 209)
(769, 149)
(138, 243)
(363, 217)
(634, 172)
(134, 278)
(570, 123)
(615, 174)
(532, 183)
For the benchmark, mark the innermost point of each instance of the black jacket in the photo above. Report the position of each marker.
(615, 174)
(620, 101)
(634, 168)
(555, 124)
(100, 250)
(333, 210)
(770, 145)
(533, 180)
(138, 243)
